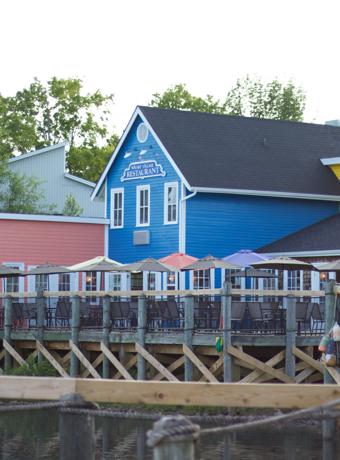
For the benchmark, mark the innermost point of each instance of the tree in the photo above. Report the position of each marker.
(71, 207)
(41, 115)
(21, 194)
(248, 97)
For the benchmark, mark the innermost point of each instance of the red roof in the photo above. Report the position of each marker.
(178, 260)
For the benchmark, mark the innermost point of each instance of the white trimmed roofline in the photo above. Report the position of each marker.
(51, 218)
(306, 196)
(79, 179)
(37, 152)
(330, 161)
(135, 114)
(330, 252)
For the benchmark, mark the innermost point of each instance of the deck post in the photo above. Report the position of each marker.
(7, 330)
(77, 431)
(188, 335)
(142, 323)
(106, 334)
(74, 369)
(226, 316)
(165, 448)
(330, 305)
(41, 313)
(290, 335)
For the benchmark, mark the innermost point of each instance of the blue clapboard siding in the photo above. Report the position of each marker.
(221, 224)
(163, 238)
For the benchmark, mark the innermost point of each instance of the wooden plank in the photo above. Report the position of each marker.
(257, 373)
(95, 364)
(289, 396)
(2, 355)
(156, 364)
(66, 358)
(132, 362)
(85, 362)
(198, 363)
(171, 368)
(308, 359)
(304, 375)
(266, 378)
(117, 364)
(50, 359)
(334, 373)
(13, 353)
(260, 365)
(213, 368)
(33, 355)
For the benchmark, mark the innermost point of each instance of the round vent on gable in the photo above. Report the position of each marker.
(142, 132)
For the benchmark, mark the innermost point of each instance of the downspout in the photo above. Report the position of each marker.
(182, 228)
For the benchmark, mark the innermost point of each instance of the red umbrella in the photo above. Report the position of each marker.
(178, 260)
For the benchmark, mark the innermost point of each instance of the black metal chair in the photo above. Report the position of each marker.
(301, 315)
(255, 313)
(63, 313)
(238, 310)
(172, 314)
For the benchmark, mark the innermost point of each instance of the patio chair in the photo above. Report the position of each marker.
(154, 315)
(237, 314)
(255, 313)
(115, 314)
(172, 314)
(95, 319)
(318, 319)
(200, 313)
(18, 316)
(214, 314)
(301, 315)
(63, 313)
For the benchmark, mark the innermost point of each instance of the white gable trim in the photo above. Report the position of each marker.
(136, 113)
(37, 152)
(79, 179)
(330, 161)
(52, 218)
(231, 191)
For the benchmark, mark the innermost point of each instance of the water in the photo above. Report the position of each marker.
(35, 436)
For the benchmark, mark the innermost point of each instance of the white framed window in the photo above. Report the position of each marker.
(294, 280)
(117, 208)
(143, 205)
(201, 279)
(14, 283)
(170, 203)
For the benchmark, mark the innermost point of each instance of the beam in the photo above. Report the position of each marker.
(173, 366)
(198, 363)
(289, 396)
(132, 362)
(85, 362)
(47, 355)
(308, 360)
(156, 364)
(252, 376)
(214, 368)
(13, 353)
(334, 374)
(95, 364)
(260, 365)
(116, 363)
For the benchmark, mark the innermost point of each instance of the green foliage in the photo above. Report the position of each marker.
(178, 97)
(71, 207)
(44, 114)
(248, 97)
(21, 194)
(33, 368)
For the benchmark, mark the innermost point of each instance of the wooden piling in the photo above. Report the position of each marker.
(141, 329)
(188, 335)
(290, 336)
(74, 369)
(226, 316)
(330, 305)
(41, 314)
(106, 334)
(7, 331)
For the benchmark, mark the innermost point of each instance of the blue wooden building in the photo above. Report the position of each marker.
(202, 184)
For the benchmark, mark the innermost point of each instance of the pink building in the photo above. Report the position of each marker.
(30, 240)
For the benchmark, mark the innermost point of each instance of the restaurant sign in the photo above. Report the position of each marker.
(142, 170)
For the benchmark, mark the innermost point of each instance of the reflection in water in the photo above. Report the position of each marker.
(35, 435)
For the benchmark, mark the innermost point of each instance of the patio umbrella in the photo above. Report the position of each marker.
(244, 257)
(284, 263)
(149, 265)
(48, 269)
(209, 262)
(178, 260)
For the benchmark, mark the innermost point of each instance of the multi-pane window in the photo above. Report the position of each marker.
(201, 279)
(231, 276)
(151, 278)
(115, 281)
(143, 205)
(171, 281)
(41, 282)
(294, 280)
(91, 281)
(117, 208)
(307, 280)
(64, 282)
(12, 283)
(170, 203)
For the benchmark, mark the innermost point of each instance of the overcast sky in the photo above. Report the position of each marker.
(133, 48)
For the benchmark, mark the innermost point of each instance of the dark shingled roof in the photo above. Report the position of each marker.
(222, 151)
(322, 236)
